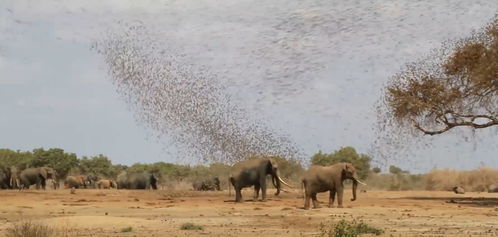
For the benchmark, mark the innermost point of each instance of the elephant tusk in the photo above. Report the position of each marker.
(357, 180)
(288, 185)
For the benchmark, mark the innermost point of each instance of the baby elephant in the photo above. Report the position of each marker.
(106, 184)
(207, 184)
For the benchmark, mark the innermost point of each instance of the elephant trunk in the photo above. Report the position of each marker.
(355, 186)
(276, 182)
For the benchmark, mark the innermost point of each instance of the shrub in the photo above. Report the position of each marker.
(30, 229)
(127, 229)
(191, 226)
(348, 229)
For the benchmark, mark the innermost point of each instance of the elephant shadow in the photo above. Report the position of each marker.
(471, 201)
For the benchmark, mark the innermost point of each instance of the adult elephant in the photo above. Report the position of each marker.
(136, 180)
(253, 172)
(37, 176)
(208, 184)
(106, 184)
(328, 178)
(14, 181)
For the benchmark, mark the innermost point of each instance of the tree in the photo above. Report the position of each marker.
(98, 165)
(456, 86)
(56, 158)
(376, 170)
(346, 154)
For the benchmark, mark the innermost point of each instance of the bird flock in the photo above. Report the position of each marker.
(184, 103)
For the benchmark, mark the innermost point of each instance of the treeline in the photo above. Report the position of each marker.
(66, 163)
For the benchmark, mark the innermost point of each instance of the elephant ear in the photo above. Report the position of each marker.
(43, 172)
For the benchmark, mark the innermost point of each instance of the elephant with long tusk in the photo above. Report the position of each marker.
(328, 178)
(253, 172)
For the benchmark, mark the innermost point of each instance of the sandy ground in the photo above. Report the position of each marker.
(161, 213)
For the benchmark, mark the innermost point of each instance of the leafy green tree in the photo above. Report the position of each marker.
(98, 165)
(376, 170)
(56, 158)
(346, 154)
(396, 170)
(15, 158)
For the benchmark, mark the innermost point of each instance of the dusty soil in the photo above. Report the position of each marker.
(161, 213)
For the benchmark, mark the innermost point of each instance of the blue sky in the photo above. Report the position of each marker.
(311, 69)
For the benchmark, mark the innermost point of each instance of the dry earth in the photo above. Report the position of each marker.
(161, 213)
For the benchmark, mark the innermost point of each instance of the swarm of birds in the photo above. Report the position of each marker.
(188, 105)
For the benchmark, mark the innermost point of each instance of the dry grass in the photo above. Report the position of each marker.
(473, 180)
(29, 228)
(437, 180)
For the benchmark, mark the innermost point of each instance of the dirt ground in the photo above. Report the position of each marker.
(161, 213)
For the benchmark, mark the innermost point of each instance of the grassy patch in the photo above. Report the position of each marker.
(30, 229)
(127, 229)
(348, 229)
(191, 226)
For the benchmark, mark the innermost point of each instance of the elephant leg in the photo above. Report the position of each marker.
(332, 197)
(262, 184)
(43, 184)
(307, 200)
(340, 193)
(315, 201)
(256, 192)
(238, 195)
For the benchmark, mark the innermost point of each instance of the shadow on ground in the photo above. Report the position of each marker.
(472, 201)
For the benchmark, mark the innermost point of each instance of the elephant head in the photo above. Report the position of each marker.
(349, 172)
(277, 181)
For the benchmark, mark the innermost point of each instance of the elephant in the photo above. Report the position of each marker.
(207, 184)
(458, 190)
(80, 181)
(493, 188)
(4, 178)
(75, 181)
(253, 172)
(328, 178)
(106, 184)
(37, 176)
(14, 177)
(9, 178)
(134, 180)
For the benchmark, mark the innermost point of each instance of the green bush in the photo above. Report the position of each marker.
(127, 229)
(191, 226)
(348, 229)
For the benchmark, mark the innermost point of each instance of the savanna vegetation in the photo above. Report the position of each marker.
(178, 176)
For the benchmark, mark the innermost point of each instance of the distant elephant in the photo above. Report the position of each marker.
(493, 188)
(253, 172)
(14, 178)
(328, 178)
(207, 184)
(75, 181)
(37, 176)
(141, 180)
(4, 178)
(106, 184)
(458, 190)
(9, 178)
